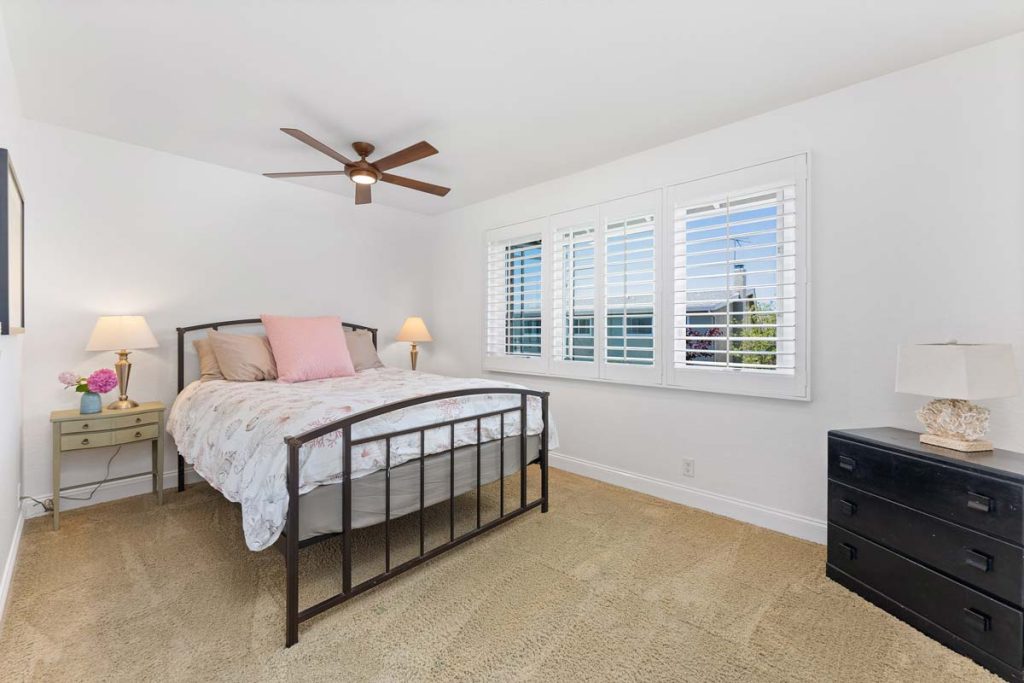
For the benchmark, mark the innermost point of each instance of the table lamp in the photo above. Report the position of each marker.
(414, 330)
(120, 333)
(956, 374)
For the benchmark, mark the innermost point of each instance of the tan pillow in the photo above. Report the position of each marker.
(243, 357)
(208, 367)
(360, 347)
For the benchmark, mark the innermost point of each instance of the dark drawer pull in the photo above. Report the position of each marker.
(848, 507)
(847, 463)
(978, 502)
(138, 435)
(85, 442)
(138, 420)
(851, 551)
(978, 560)
(978, 619)
(85, 426)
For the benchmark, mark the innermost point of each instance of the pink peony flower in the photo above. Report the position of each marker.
(68, 378)
(102, 381)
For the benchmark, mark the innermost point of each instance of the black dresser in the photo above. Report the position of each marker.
(934, 537)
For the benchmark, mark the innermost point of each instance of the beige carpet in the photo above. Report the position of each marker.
(610, 585)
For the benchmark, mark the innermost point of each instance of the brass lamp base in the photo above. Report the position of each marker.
(414, 353)
(122, 404)
(123, 368)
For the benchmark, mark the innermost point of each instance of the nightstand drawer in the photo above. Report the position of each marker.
(981, 561)
(135, 420)
(973, 500)
(86, 425)
(76, 441)
(142, 433)
(976, 618)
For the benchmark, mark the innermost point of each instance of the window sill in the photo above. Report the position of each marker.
(804, 397)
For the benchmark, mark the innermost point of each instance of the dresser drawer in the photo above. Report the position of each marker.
(135, 420)
(969, 499)
(73, 442)
(86, 425)
(983, 562)
(976, 618)
(142, 433)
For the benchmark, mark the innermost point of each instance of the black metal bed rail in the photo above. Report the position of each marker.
(295, 443)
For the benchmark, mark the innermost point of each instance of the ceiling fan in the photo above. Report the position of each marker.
(364, 173)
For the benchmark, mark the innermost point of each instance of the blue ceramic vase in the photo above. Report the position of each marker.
(91, 403)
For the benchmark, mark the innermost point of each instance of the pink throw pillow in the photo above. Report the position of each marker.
(308, 348)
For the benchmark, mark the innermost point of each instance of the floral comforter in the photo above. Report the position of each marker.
(233, 432)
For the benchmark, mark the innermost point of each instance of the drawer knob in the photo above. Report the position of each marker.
(847, 463)
(979, 560)
(138, 420)
(85, 426)
(85, 442)
(976, 501)
(851, 551)
(138, 435)
(978, 619)
(848, 507)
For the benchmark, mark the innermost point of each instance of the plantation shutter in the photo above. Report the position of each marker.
(629, 349)
(515, 297)
(738, 279)
(574, 283)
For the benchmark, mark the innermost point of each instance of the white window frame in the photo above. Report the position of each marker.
(661, 203)
(502, 362)
(791, 171)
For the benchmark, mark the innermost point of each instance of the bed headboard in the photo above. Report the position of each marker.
(182, 331)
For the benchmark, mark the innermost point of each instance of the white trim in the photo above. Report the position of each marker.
(115, 490)
(789, 523)
(12, 559)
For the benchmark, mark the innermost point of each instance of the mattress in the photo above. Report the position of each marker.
(233, 432)
(320, 509)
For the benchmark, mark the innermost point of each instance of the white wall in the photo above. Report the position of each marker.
(120, 229)
(918, 235)
(10, 359)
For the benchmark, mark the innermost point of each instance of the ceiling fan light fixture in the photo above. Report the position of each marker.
(363, 177)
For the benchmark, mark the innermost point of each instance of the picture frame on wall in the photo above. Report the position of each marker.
(12, 250)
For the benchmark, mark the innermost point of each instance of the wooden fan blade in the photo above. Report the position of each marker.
(415, 184)
(302, 174)
(420, 150)
(317, 145)
(362, 194)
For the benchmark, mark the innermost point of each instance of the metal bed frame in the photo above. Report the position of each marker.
(294, 444)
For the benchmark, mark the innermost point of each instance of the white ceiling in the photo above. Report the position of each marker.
(511, 92)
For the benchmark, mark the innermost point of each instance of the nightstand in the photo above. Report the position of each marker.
(73, 432)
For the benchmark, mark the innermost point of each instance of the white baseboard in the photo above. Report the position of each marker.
(124, 488)
(12, 558)
(782, 521)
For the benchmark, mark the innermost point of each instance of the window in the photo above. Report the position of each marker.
(713, 298)
(515, 296)
(629, 290)
(573, 294)
(738, 281)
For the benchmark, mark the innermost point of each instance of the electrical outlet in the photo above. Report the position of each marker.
(689, 467)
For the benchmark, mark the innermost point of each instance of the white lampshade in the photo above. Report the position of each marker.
(963, 371)
(116, 332)
(414, 330)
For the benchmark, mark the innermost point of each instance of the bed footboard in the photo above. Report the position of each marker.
(295, 615)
